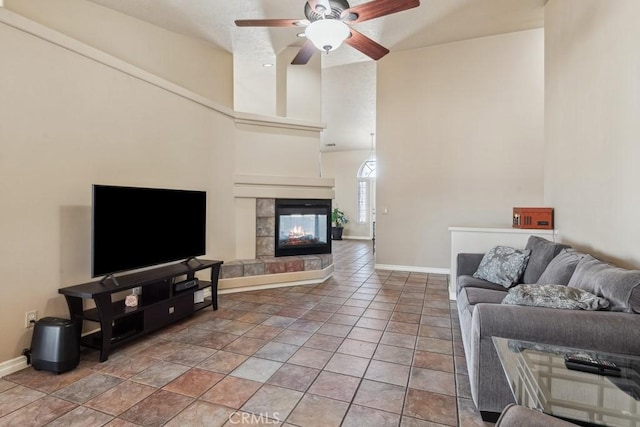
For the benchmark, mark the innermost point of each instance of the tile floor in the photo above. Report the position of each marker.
(366, 347)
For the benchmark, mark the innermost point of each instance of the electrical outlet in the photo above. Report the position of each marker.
(30, 318)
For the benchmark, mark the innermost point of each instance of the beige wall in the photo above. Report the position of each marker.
(273, 152)
(343, 167)
(72, 117)
(193, 64)
(254, 86)
(592, 167)
(69, 122)
(285, 90)
(459, 142)
(350, 115)
(300, 86)
(350, 118)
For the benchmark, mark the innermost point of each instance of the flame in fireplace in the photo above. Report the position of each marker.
(297, 232)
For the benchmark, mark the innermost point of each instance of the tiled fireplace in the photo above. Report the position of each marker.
(257, 263)
(289, 227)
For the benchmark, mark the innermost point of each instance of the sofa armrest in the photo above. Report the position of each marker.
(468, 264)
(608, 331)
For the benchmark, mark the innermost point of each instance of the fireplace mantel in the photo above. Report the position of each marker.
(283, 187)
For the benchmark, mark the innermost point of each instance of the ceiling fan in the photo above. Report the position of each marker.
(328, 24)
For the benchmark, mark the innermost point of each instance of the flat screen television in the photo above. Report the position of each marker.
(135, 227)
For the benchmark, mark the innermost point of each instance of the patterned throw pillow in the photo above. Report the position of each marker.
(554, 296)
(503, 265)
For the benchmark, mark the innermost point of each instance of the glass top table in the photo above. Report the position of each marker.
(540, 380)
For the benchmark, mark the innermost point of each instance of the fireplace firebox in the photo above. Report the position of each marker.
(302, 227)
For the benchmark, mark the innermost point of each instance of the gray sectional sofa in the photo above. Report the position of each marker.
(482, 314)
(519, 416)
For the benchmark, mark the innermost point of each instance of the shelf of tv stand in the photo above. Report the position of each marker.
(204, 304)
(119, 309)
(94, 340)
(159, 304)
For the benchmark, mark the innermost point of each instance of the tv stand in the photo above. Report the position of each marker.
(160, 303)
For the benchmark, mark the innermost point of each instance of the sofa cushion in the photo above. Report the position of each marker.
(561, 268)
(472, 282)
(554, 296)
(542, 252)
(503, 265)
(620, 286)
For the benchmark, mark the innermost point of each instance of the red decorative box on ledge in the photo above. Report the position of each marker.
(538, 218)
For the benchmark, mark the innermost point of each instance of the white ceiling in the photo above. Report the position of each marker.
(433, 22)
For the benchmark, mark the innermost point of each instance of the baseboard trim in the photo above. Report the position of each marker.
(356, 237)
(412, 269)
(14, 365)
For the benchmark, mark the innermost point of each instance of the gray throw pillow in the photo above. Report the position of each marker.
(620, 286)
(554, 296)
(503, 265)
(542, 252)
(561, 268)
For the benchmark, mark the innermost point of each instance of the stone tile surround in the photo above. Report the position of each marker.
(273, 265)
(265, 227)
(266, 262)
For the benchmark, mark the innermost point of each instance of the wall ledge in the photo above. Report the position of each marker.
(283, 180)
(512, 230)
(274, 187)
(47, 34)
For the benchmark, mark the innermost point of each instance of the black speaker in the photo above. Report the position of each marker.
(55, 345)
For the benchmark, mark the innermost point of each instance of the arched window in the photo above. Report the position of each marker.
(366, 175)
(368, 169)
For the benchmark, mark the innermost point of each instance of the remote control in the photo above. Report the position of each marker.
(579, 362)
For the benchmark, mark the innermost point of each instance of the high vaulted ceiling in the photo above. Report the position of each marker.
(433, 22)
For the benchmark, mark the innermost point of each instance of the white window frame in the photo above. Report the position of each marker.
(366, 174)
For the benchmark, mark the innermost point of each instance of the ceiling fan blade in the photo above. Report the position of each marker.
(325, 6)
(376, 9)
(365, 45)
(272, 22)
(306, 52)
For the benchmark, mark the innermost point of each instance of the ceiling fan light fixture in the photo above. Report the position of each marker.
(327, 34)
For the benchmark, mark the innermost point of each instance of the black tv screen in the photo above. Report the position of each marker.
(135, 227)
